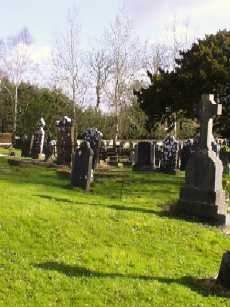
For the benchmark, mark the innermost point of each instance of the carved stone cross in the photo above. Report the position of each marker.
(209, 109)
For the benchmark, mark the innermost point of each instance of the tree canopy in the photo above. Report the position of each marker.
(204, 68)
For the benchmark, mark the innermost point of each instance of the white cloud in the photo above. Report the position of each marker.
(40, 53)
(152, 17)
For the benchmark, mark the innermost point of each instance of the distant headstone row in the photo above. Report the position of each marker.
(148, 157)
(166, 156)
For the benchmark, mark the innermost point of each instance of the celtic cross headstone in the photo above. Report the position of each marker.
(202, 194)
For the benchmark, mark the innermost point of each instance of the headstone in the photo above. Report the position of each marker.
(185, 154)
(225, 158)
(82, 166)
(158, 155)
(64, 141)
(93, 136)
(144, 156)
(50, 149)
(38, 141)
(112, 156)
(169, 157)
(103, 151)
(25, 146)
(202, 194)
(223, 277)
(215, 147)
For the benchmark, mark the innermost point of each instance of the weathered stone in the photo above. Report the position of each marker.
(81, 175)
(93, 136)
(169, 157)
(202, 194)
(38, 141)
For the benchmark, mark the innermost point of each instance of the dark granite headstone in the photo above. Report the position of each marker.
(64, 141)
(223, 277)
(185, 154)
(225, 158)
(25, 146)
(144, 156)
(81, 175)
(202, 194)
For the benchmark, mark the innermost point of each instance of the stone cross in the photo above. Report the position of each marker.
(209, 108)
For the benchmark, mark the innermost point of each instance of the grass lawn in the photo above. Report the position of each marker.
(114, 246)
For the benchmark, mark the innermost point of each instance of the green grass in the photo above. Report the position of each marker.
(114, 246)
(6, 151)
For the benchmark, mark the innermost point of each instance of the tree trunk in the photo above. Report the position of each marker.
(98, 98)
(15, 113)
(74, 119)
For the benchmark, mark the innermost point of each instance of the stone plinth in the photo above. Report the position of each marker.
(203, 195)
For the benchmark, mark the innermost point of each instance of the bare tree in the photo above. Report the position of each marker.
(15, 62)
(124, 54)
(99, 66)
(68, 70)
(179, 37)
(157, 56)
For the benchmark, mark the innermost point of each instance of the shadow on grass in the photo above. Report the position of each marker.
(177, 181)
(197, 285)
(167, 212)
(41, 179)
(115, 207)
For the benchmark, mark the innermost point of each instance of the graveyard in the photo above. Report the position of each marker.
(116, 245)
(115, 153)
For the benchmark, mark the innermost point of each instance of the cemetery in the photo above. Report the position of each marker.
(115, 169)
(116, 234)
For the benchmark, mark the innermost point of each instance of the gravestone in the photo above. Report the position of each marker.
(144, 156)
(93, 136)
(64, 141)
(50, 149)
(158, 155)
(223, 277)
(82, 166)
(25, 146)
(202, 194)
(38, 141)
(185, 154)
(225, 158)
(169, 156)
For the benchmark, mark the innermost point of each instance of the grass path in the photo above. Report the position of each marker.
(114, 246)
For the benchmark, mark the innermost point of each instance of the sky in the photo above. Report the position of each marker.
(46, 18)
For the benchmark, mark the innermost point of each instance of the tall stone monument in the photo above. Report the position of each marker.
(38, 141)
(202, 194)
